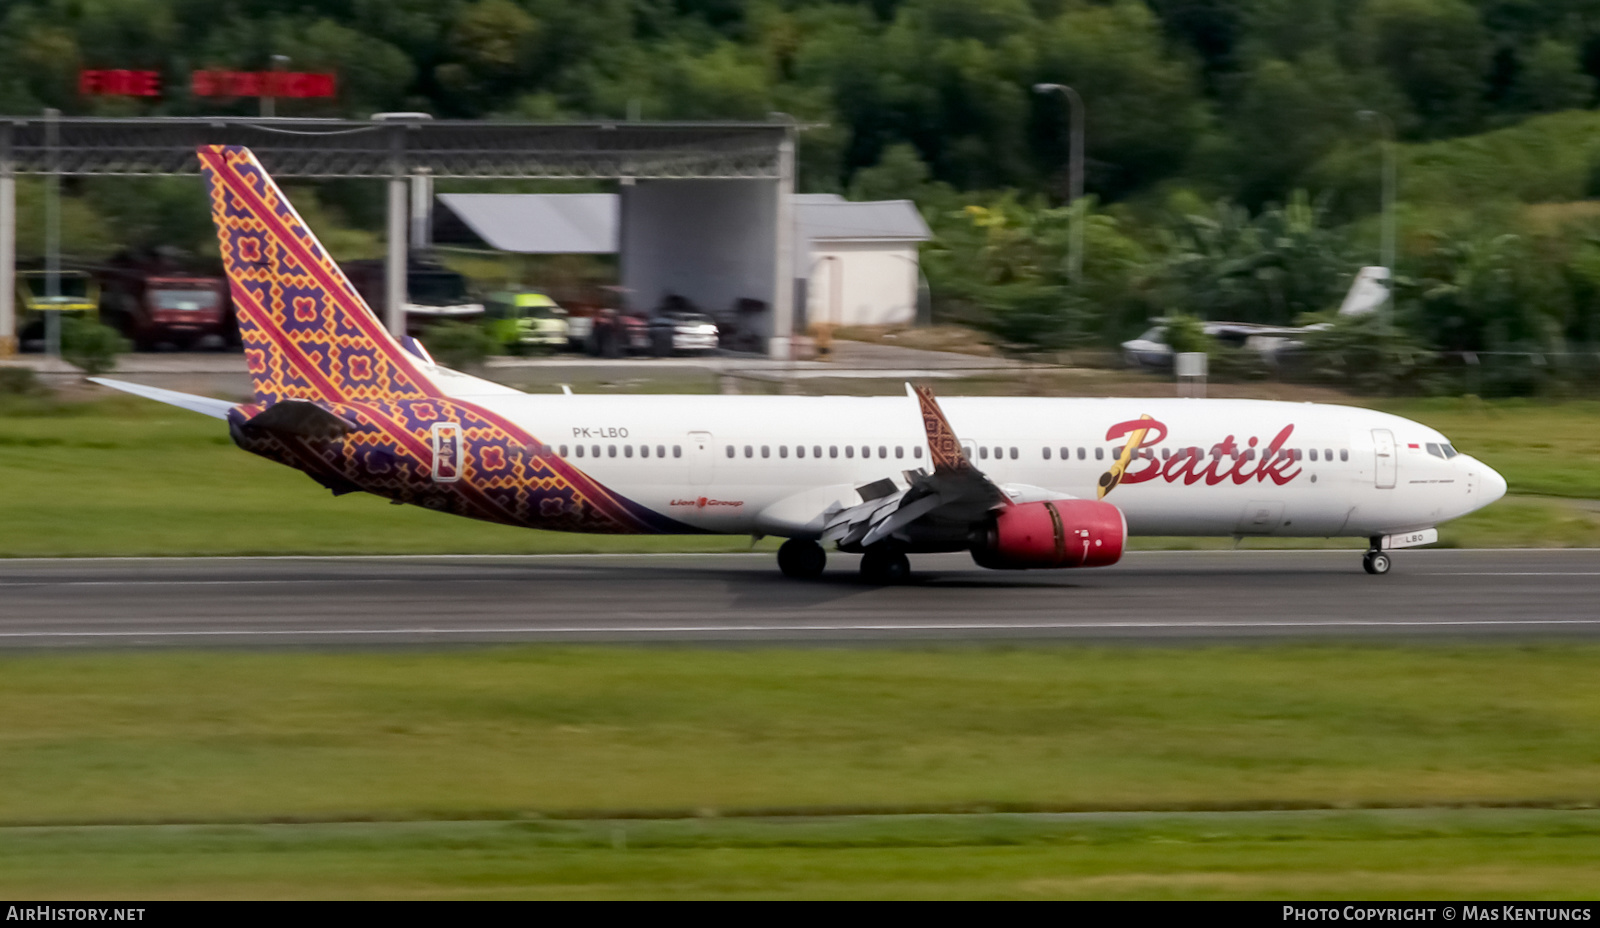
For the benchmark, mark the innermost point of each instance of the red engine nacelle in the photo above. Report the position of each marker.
(1055, 533)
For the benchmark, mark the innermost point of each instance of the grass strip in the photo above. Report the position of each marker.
(1410, 854)
(544, 730)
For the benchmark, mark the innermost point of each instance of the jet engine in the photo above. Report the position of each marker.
(1054, 533)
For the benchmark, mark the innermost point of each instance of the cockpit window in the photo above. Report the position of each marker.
(1449, 451)
(1433, 449)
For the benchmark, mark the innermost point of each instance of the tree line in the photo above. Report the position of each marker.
(1228, 174)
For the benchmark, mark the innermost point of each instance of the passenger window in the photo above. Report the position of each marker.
(1313, 454)
(1099, 453)
(563, 450)
(883, 451)
(730, 451)
(1066, 453)
(866, 452)
(1166, 454)
(783, 451)
(661, 451)
(899, 451)
(1013, 452)
(594, 451)
(611, 451)
(799, 451)
(1327, 454)
(749, 451)
(983, 452)
(766, 451)
(644, 451)
(916, 452)
(580, 451)
(677, 451)
(627, 451)
(849, 451)
(833, 451)
(1250, 454)
(816, 451)
(1047, 454)
(1344, 454)
(999, 453)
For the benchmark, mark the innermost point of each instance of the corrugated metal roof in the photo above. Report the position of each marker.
(540, 223)
(839, 219)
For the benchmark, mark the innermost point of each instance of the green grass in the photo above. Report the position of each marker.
(1449, 854)
(218, 736)
(629, 772)
(126, 476)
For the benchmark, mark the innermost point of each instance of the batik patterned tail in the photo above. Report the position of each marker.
(307, 334)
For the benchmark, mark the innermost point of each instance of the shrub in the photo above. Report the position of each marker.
(19, 381)
(459, 345)
(91, 346)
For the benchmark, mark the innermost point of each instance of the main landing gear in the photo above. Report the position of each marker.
(801, 558)
(1375, 561)
(882, 564)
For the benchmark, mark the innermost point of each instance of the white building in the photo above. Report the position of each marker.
(856, 263)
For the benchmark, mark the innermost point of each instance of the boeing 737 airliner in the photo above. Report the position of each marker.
(1018, 482)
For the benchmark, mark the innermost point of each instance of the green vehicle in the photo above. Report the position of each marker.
(526, 319)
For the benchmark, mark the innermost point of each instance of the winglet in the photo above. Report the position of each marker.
(944, 449)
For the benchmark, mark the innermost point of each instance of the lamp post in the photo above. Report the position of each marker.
(1074, 174)
(269, 107)
(1386, 127)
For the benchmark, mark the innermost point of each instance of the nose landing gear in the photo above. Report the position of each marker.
(1375, 561)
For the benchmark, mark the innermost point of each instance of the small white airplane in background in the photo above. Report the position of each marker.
(1018, 482)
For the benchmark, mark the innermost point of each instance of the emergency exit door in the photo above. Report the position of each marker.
(1384, 465)
(702, 458)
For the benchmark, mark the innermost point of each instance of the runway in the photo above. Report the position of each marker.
(273, 602)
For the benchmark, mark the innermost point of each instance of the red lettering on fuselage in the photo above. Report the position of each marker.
(1227, 461)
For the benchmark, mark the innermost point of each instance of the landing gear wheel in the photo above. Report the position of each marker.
(801, 558)
(1376, 562)
(885, 567)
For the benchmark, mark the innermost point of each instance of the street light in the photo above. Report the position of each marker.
(269, 106)
(1074, 174)
(1386, 127)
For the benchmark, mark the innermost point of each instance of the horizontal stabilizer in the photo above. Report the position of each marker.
(298, 417)
(205, 405)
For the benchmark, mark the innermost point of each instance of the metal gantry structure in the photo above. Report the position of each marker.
(396, 148)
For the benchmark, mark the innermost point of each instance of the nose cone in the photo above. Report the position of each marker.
(1493, 485)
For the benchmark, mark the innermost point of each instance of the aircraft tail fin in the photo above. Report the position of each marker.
(307, 333)
(1367, 292)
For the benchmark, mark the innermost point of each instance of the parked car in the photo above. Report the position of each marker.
(522, 319)
(682, 330)
(77, 294)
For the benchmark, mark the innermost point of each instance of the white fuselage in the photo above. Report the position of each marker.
(775, 464)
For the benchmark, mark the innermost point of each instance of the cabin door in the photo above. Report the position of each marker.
(1384, 468)
(446, 452)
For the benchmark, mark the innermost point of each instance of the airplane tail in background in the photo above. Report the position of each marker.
(307, 333)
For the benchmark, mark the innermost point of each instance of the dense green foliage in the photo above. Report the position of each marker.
(1204, 119)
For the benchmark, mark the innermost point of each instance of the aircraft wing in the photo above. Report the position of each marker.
(954, 490)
